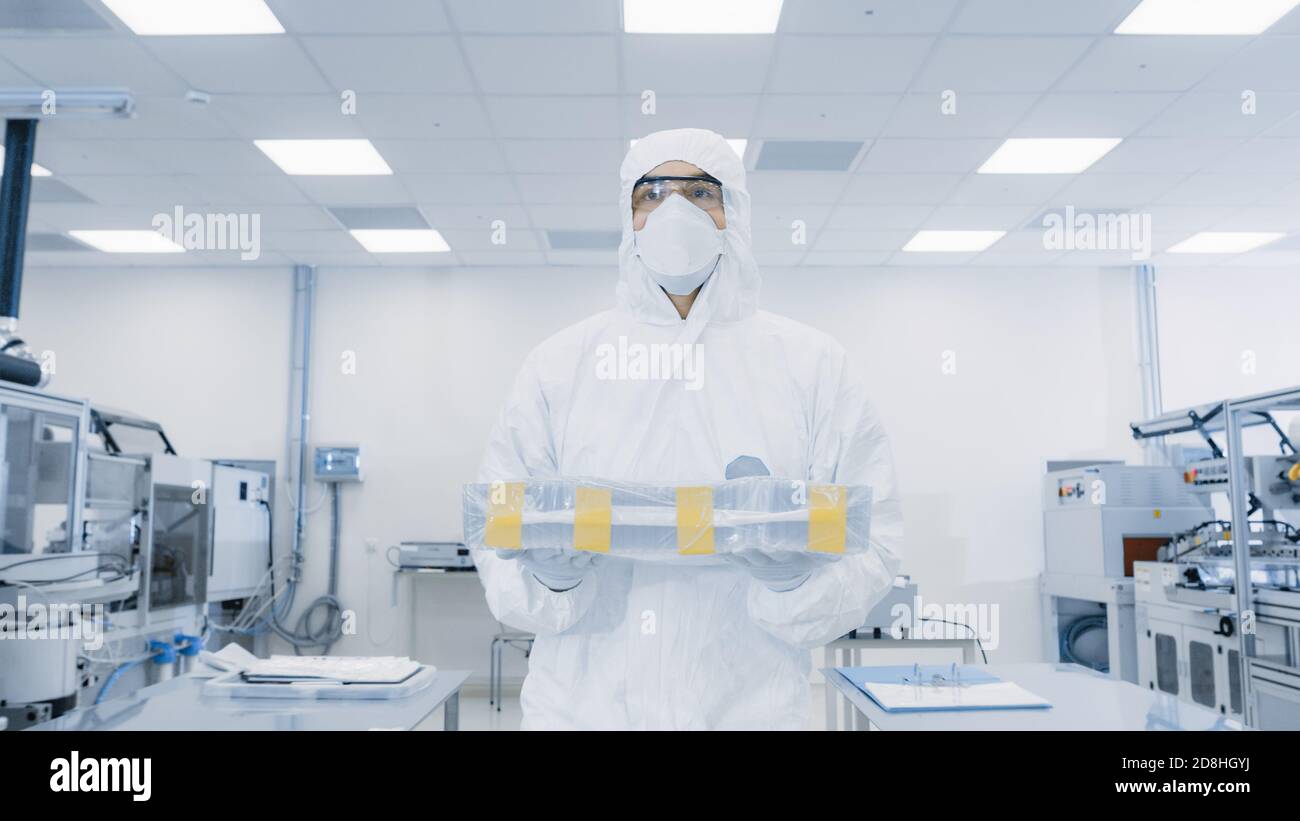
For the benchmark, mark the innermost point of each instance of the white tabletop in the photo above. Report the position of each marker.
(1081, 700)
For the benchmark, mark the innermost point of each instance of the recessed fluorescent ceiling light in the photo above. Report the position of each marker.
(163, 17)
(1049, 155)
(701, 16)
(325, 157)
(37, 170)
(401, 240)
(736, 145)
(128, 242)
(952, 241)
(1204, 16)
(1225, 242)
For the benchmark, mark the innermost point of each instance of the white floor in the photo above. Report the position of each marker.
(477, 714)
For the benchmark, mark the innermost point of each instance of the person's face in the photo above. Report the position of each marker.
(645, 200)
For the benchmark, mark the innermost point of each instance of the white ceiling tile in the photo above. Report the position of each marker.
(855, 17)
(767, 241)
(414, 116)
(821, 65)
(1260, 218)
(1095, 190)
(999, 64)
(795, 187)
(846, 259)
(428, 64)
(322, 241)
(900, 189)
(1091, 115)
(329, 190)
(433, 260)
(1263, 155)
(776, 259)
(474, 239)
(576, 217)
(824, 116)
(1222, 114)
(1265, 64)
(461, 189)
(155, 118)
(1024, 242)
(509, 259)
(1138, 155)
(1149, 63)
(1186, 220)
(433, 156)
(1040, 16)
(691, 63)
(975, 115)
(156, 191)
(545, 117)
(93, 157)
(1288, 195)
(731, 115)
(861, 240)
(912, 259)
(266, 65)
(923, 155)
(531, 17)
(479, 217)
(1268, 259)
(206, 156)
(979, 218)
(568, 188)
(72, 216)
(587, 259)
(878, 217)
(288, 116)
(782, 217)
(12, 77)
(543, 65)
(344, 17)
(90, 62)
(578, 156)
(1008, 189)
(261, 189)
(1222, 189)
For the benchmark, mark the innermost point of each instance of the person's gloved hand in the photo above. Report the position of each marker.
(780, 571)
(559, 570)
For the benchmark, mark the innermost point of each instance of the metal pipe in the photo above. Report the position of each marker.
(15, 196)
(335, 526)
(304, 278)
(1237, 489)
(1148, 329)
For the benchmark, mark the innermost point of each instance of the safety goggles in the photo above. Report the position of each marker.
(704, 193)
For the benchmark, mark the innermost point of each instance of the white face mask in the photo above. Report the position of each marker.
(680, 245)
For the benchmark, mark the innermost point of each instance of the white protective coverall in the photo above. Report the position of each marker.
(665, 645)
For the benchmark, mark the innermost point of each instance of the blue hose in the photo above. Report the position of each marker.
(112, 679)
(1077, 628)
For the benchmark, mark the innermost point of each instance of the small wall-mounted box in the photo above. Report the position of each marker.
(337, 463)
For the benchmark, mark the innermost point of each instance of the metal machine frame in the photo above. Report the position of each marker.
(1276, 679)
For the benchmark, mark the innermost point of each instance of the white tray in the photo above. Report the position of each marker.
(232, 686)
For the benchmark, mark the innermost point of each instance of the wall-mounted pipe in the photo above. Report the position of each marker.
(15, 194)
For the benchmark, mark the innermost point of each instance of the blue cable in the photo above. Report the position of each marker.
(113, 677)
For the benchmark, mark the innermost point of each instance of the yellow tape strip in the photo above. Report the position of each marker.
(827, 518)
(592, 516)
(694, 521)
(505, 519)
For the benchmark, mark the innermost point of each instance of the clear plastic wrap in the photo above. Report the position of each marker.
(668, 522)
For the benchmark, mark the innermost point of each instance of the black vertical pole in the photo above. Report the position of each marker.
(15, 194)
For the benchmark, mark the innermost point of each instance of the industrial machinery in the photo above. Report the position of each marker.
(133, 545)
(433, 556)
(1202, 636)
(1099, 519)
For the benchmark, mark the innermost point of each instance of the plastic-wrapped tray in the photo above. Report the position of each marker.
(667, 522)
(232, 685)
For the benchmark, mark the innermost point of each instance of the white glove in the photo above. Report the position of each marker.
(559, 570)
(781, 571)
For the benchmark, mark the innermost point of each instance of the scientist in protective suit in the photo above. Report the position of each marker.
(628, 644)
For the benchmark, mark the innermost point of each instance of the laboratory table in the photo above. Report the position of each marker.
(1082, 699)
(180, 704)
